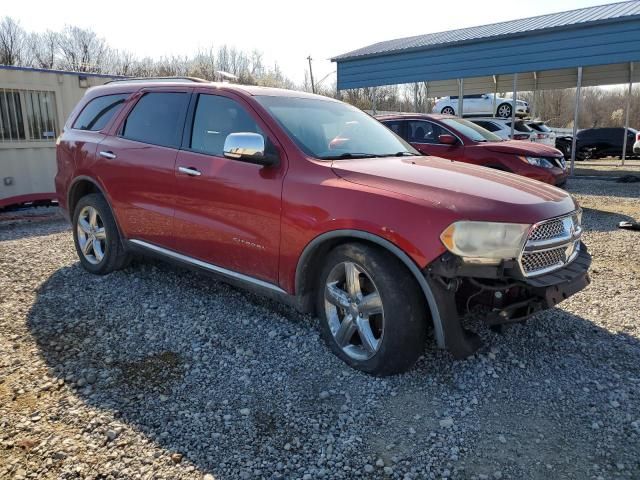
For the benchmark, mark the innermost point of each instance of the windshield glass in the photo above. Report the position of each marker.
(471, 130)
(327, 129)
(541, 127)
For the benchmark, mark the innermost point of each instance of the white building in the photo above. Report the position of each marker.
(34, 105)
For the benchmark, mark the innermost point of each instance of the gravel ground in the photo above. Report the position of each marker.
(159, 372)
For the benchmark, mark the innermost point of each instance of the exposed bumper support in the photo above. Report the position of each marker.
(519, 297)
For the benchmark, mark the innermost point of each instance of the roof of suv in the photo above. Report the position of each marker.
(132, 85)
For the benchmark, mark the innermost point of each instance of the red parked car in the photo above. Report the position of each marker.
(312, 201)
(458, 139)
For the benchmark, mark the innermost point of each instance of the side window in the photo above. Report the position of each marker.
(215, 118)
(157, 118)
(424, 132)
(395, 127)
(97, 113)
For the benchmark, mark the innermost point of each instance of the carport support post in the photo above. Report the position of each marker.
(534, 110)
(576, 113)
(461, 97)
(626, 115)
(374, 98)
(513, 104)
(495, 93)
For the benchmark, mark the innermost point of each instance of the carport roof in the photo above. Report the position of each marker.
(514, 28)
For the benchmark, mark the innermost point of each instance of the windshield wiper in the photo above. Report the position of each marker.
(346, 155)
(400, 154)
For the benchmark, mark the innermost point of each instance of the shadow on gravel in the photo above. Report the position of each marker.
(603, 187)
(180, 357)
(18, 225)
(602, 220)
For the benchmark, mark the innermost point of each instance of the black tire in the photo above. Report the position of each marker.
(504, 110)
(448, 111)
(114, 256)
(403, 305)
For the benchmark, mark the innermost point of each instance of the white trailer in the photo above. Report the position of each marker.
(34, 105)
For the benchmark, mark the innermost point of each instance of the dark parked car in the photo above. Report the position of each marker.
(605, 142)
(564, 144)
(314, 202)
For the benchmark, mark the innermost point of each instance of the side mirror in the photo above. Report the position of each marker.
(248, 147)
(447, 139)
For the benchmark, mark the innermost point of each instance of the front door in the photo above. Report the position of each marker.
(424, 137)
(137, 165)
(228, 211)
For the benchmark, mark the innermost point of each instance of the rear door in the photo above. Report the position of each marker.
(424, 136)
(138, 164)
(227, 211)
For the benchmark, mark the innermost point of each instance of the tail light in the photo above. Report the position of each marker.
(521, 136)
(638, 137)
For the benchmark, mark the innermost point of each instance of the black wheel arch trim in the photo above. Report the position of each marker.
(100, 189)
(390, 247)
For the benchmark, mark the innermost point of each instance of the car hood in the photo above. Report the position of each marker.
(469, 191)
(518, 147)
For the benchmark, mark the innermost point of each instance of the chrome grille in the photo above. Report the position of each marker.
(551, 245)
(545, 259)
(545, 231)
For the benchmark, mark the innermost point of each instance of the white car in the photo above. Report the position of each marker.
(502, 128)
(543, 134)
(481, 104)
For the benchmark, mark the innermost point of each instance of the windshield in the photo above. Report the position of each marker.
(541, 127)
(520, 126)
(471, 130)
(327, 129)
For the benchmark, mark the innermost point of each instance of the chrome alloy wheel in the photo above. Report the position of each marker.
(448, 111)
(504, 111)
(354, 311)
(92, 237)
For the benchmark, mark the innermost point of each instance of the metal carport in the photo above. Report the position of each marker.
(585, 47)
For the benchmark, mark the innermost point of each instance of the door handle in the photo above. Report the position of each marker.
(109, 155)
(189, 171)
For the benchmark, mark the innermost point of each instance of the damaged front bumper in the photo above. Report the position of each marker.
(503, 290)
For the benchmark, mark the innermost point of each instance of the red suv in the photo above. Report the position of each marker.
(458, 139)
(314, 202)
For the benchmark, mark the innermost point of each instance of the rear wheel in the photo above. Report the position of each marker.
(448, 111)
(96, 236)
(372, 311)
(504, 110)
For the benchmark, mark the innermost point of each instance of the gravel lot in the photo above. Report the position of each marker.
(159, 372)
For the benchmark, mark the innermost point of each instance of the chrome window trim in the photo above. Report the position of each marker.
(208, 266)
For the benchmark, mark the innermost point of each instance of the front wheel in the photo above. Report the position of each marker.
(504, 111)
(371, 310)
(96, 236)
(448, 111)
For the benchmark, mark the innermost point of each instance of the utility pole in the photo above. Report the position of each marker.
(313, 85)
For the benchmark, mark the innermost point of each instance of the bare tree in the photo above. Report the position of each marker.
(12, 42)
(43, 49)
(82, 50)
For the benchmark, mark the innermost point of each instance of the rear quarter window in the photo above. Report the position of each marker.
(98, 112)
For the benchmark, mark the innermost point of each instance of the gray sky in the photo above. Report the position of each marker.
(285, 31)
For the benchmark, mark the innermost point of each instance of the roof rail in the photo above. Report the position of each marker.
(162, 79)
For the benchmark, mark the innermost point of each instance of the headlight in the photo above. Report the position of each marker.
(484, 242)
(538, 162)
